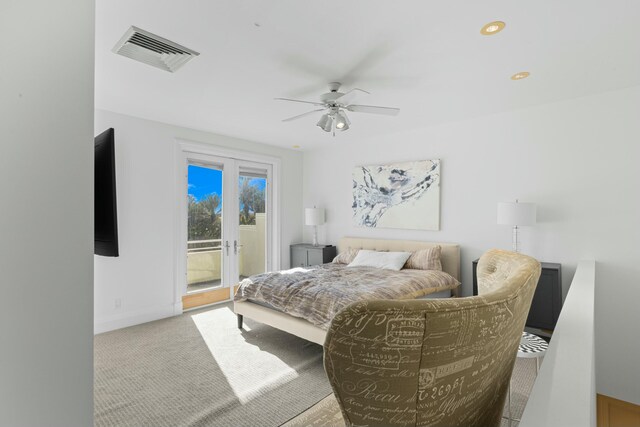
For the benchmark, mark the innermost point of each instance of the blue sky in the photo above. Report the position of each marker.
(258, 182)
(203, 181)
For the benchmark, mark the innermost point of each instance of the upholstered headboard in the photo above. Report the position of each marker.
(450, 256)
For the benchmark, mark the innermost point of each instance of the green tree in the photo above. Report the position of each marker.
(258, 201)
(204, 220)
(246, 198)
(252, 201)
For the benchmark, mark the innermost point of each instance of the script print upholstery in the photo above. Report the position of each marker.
(432, 362)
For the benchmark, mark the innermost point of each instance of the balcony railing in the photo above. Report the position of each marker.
(204, 245)
(204, 257)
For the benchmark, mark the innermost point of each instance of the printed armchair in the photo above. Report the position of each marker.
(444, 362)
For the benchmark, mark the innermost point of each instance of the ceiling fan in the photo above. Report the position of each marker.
(335, 105)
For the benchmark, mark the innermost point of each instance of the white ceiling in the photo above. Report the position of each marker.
(425, 57)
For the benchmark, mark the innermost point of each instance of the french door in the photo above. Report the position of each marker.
(228, 225)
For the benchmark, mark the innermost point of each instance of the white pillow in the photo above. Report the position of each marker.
(388, 260)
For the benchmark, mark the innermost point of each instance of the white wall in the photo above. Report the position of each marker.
(578, 160)
(46, 215)
(142, 277)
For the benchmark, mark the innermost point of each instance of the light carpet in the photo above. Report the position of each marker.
(326, 413)
(199, 369)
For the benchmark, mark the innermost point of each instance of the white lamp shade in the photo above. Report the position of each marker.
(314, 216)
(516, 213)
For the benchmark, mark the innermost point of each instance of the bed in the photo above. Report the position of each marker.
(254, 305)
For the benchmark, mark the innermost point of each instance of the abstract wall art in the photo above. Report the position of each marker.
(399, 195)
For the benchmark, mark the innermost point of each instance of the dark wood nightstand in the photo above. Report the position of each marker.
(547, 301)
(306, 255)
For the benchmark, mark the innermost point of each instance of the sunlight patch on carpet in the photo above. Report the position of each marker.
(249, 375)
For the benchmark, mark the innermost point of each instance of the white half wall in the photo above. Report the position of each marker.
(46, 217)
(142, 277)
(577, 160)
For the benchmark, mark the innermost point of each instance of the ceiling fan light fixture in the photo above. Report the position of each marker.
(334, 106)
(325, 123)
(342, 121)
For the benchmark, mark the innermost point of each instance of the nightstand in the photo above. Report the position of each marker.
(547, 300)
(306, 255)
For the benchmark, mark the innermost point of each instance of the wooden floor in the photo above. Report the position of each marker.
(199, 299)
(211, 284)
(617, 413)
(203, 298)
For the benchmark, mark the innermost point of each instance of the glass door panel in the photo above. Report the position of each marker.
(253, 223)
(225, 242)
(205, 266)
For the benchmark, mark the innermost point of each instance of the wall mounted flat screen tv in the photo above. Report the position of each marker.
(105, 210)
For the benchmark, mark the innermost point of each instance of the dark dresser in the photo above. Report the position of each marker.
(306, 255)
(547, 301)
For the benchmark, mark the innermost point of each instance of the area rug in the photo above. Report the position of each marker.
(199, 369)
(326, 413)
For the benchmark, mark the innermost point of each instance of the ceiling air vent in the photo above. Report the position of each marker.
(154, 50)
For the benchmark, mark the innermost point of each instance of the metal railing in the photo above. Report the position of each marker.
(209, 245)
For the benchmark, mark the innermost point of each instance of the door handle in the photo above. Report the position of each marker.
(226, 245)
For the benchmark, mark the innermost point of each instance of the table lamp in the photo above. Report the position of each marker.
(314, 216)
(516, 214)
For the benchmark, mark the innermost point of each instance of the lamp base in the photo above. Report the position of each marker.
(514, 242)
(315, 235)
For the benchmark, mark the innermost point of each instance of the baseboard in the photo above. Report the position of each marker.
(123, 320)
(617, 413)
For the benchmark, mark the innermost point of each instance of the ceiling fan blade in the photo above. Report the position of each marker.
(349, 96)
(302, 115)
(319, 104)
(371, 59)
(387, 111)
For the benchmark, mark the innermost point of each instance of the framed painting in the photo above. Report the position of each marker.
(398, 195)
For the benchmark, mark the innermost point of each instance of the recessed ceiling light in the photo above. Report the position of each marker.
(295, 146)
(492, 28)
(521, 75)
